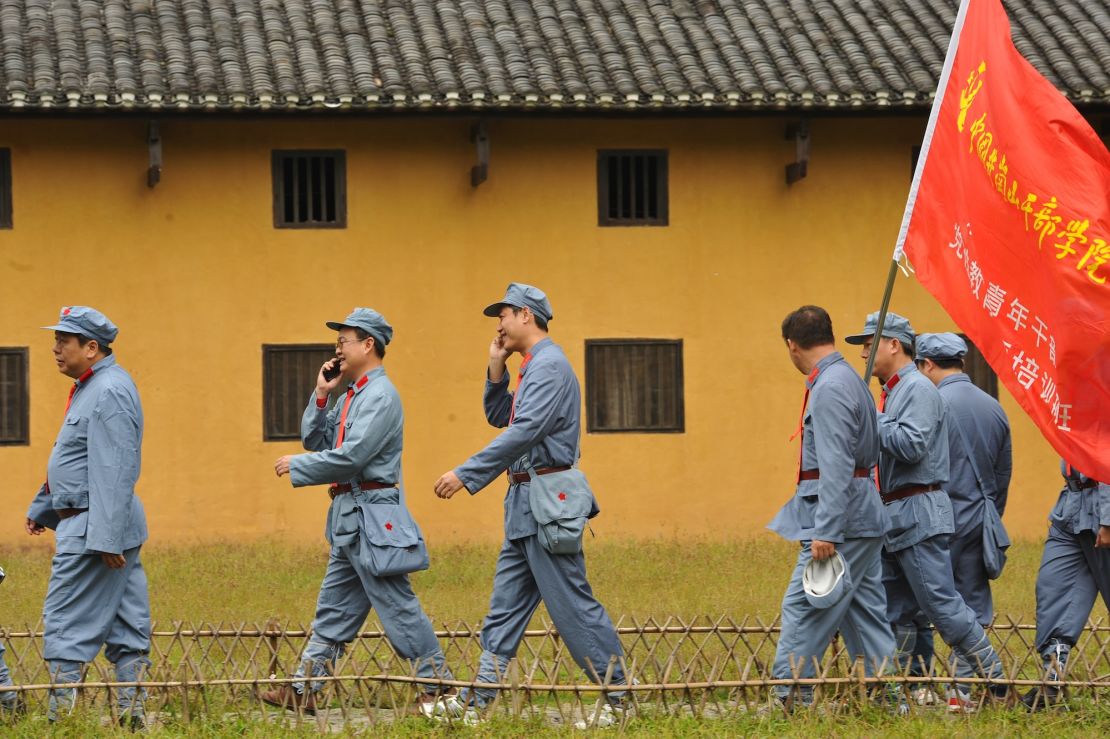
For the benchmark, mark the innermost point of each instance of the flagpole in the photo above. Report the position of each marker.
(938, 97)
(882, 320)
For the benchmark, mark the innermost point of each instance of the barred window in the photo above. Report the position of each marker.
(632, 187)
(5, 188)
(288, 376)
(14, 397)
(976, 367)
(634, 385)
(310, 189)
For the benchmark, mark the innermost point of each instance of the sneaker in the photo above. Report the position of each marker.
(960, 702)
(925, 696)
(439, 705)
(777, 708)
(601, 717)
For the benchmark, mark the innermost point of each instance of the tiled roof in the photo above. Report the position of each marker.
(145, 55)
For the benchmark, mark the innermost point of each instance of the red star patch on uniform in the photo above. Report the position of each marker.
(562, 496)
(388, 526)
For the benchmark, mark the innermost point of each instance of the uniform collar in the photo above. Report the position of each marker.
(539, 347)
(900, 375)
(103, 364)
(959, 377)
(363, 381)
(826, 362)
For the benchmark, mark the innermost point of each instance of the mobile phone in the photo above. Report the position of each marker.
(332, 372)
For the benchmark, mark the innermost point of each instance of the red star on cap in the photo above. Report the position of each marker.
(388, 526)
(65, 312)
(562, 496)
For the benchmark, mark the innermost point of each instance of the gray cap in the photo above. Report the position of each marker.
(940, 346)
(519, 295)
(895, 327)
(80, 319)
(370, 321)
(826, 581)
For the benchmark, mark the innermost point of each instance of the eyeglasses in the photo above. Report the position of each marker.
(342, 340)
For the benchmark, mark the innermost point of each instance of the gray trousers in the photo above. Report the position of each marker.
(918, 581)
(347, 594)
(6, 699)
(970, 574)
(1072, 575)
(89, 605)
(527, 573)
(860, 617)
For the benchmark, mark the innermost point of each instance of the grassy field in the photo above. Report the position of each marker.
(272, 580)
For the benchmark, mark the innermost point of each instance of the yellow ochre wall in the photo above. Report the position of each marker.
(198, 279)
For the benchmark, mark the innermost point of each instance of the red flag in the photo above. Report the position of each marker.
(1008, 226)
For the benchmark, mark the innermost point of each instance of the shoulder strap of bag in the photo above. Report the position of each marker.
(970, 457)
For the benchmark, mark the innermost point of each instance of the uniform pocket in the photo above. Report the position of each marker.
(74, 431)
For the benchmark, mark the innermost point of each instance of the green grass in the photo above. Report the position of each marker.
(233, 583)
(268, 579)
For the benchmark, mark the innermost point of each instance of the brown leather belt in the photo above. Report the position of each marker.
(908, 491)
(341, 488)
(518, 477)
(1089, 485)
(64, 513)
(816, 474)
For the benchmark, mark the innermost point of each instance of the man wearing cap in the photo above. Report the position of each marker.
(912, 472)
(356, 448)
(543, 420)
(979, 468)
(1075, 569)
(98, 591)
(834, 512)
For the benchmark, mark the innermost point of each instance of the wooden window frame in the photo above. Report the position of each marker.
(277, 160)
(6, 221)
(269, 350)
(990, 386)
(680, 402)
(25, 401)
(662, 217)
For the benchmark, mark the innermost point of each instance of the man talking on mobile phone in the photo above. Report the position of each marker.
(542, 422)
(355, 448)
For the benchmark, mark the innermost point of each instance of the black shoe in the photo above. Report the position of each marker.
(16, 709)
(1038, 699)
(132, 723)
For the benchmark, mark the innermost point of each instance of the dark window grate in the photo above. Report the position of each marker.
(634, 385)
(14, 397)
(632, 187)
(310, 189)
(5, 188)
(288, 376)
(976, 367)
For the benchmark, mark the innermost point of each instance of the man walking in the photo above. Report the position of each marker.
(980, 464)
(543, 425)
(834, 512)
(1075, 569)
(98, 591)
(913, 469)
(356, 448)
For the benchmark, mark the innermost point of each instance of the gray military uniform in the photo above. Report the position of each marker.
(370, 452)
(91, 477)
(917, 566)
(543, 424)
(1073, 572)
(980, 465)
(839, 438)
